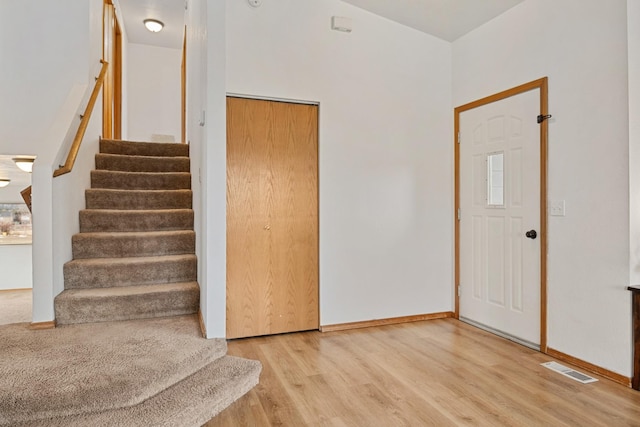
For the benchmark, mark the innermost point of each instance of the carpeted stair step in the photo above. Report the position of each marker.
(120, 162)
(139, 220)
(190, 403)
(100, 198)
(108, 366)
(140, 180)
(111, 272)
(131, 148)
(132, 244)
(126, 303)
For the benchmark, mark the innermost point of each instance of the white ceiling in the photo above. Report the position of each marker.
(170, 12)
(8, 170)
(446, 19)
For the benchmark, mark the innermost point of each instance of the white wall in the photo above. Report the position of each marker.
(633, 30)
(214, 167)
(385, 147)
(207, 144)
(153, 92)
(196, 23)
(15, 260)
(40, 64)
(67, 191)
(581, 46)
(45, 72)
(15, 264)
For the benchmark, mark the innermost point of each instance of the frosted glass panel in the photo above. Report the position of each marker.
(495, 179)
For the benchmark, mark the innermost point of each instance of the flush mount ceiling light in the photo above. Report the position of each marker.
(153, 25)
(4, 182)
(24, 163)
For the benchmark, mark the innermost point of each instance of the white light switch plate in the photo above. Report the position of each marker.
(556, 208)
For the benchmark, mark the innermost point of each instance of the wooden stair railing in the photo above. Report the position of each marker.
(26, 196)
(84, 122)
(82, 128)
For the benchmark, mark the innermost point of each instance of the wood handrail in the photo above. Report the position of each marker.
(84, 122)
(26, 196)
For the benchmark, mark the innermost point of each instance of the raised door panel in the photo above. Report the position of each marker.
(499, 201)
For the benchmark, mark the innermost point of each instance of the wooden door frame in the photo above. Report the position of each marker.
(299, 102)
(542, 85)
(112, 87)
(117, 80)
(183, 88)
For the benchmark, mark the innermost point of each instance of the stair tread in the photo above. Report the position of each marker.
(141, 163)
(110, 244)
(132, 260)
(118, 220)
(109, 198)
(119, 190)
(138, 156)
(132, 173)
(140, 180)
(161, 148)
(130, 141)
(137, 211)
(127, 234)
(129, 290)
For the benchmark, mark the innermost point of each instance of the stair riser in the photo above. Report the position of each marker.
(138, 199)
(105, 309)
(143, 148)
(142, 188)
(140, 181)
(77, 275)
(107, 221)
(141, 164)
(125, 246)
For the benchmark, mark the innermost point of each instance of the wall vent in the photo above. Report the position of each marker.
(568, 372)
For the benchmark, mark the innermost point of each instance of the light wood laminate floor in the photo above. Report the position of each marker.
(432, 373)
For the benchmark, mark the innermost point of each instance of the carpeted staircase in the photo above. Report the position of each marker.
(136, 373)
(124, 353)
(134, 257)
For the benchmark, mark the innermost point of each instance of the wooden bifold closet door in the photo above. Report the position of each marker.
(272, 217)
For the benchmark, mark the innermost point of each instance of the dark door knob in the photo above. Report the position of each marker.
(531, 234)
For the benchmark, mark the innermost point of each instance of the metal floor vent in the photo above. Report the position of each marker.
(568, 372)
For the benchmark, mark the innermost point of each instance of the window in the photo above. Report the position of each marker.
(15, 224)
(495, 179)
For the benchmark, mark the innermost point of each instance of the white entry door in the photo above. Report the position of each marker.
(500, 217)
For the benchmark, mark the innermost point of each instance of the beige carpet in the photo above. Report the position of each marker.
(135, 258)
(118, 373)
(15, 306)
